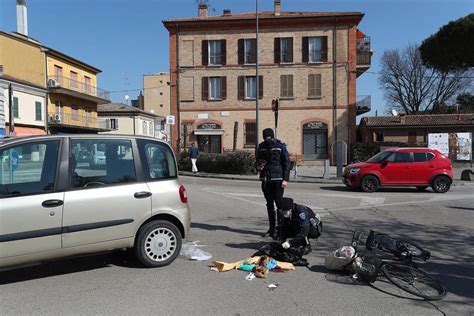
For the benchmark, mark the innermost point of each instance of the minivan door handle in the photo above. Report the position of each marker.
(52, 203)
(142, 195)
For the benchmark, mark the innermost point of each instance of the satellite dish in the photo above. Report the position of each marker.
(127, 97)
(394, 112)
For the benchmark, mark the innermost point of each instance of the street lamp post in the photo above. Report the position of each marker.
(256, 80)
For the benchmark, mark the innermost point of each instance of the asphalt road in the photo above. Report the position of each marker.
(228, 218)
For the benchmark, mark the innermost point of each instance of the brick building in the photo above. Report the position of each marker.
(310, 60)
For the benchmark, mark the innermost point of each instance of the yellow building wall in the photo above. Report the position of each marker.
(22, 60)
(67, 68)
(67, 114)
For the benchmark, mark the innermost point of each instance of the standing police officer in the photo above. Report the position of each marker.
(273, 162)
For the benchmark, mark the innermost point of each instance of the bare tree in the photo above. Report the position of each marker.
(414, 88)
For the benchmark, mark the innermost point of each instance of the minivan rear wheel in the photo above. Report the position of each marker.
(441, 184)
(369, 183)
(158, 243)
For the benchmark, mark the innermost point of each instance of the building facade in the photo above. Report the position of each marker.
(52, 92)
(23, 61)
(157, 93)
(309, 60)
(127, 120)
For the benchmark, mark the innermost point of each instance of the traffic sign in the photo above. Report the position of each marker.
(15, 160)
(170, 119)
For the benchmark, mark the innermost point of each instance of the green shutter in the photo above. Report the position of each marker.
(16, 110)
(39, 115)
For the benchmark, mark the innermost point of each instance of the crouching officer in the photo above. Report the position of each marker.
(300, 224)
(273, 162)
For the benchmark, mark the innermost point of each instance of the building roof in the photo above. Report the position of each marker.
(266, 15)
(110, 109)
(419, 120)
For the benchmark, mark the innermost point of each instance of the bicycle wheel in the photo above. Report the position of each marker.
(414, 281)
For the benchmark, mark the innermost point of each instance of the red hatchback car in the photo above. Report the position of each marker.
(414, 167)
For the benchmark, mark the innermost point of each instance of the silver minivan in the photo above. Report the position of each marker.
(54, 205)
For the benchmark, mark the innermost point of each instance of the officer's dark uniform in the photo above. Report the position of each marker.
(277, 168)
(302, 225)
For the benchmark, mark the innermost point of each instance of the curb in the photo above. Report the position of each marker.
(301, 179)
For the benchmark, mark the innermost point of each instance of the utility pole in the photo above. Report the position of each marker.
(11, 117)
(257, 88)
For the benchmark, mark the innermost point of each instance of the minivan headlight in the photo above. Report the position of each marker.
(354, 170)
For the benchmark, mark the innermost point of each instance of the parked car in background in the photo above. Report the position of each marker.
(53, 207)
(407, 167)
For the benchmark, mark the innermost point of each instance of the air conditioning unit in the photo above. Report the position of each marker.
(54, 118)
(53, 83)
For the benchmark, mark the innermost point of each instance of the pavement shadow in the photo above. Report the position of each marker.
(251, 245)
(68, 266)
(226, 228)
(462, 208)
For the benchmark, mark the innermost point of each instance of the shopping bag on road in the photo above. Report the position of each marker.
(340, 259)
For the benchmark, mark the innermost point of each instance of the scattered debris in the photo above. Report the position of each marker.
(191, 250)
(272, 286)
(250, 276)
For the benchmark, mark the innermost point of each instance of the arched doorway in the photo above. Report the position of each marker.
(209, 137)
(315, 140)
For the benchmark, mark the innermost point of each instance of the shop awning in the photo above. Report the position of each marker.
(208, 132)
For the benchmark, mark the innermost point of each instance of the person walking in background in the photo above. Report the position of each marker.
(273, 162)
(193, 154)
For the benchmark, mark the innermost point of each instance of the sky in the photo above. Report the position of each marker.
(126, 39)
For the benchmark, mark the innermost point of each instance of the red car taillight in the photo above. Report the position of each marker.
(182, 194)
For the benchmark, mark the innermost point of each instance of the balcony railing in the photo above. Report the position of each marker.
(78, 86)
(364, 53)
(72, 120)
(363, 104)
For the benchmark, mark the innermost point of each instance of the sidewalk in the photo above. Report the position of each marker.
(305, 174)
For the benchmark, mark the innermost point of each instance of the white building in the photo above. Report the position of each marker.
(126, 120)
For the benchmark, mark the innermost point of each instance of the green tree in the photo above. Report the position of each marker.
(452, 47)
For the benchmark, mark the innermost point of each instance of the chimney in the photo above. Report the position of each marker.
(21, 17)
(226, 12)
(202, 11)
(277, 7)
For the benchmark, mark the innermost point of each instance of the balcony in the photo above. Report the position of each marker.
(75, 121)
(363, 104)
(364, 55)
(67, 86)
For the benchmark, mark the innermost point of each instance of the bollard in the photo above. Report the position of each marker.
(326, 174)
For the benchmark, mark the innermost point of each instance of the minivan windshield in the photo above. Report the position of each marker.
(380, 157)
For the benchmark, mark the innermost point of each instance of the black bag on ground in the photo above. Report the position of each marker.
(277, 252)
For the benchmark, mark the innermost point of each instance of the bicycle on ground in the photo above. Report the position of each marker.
(393, 258)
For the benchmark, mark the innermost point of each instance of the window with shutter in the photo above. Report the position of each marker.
(205, 53)
(276, 50)
(286, 86)
(38, 111)
(241, 48)
(16, 108)
(215, 88)
(250, 51)
(205, 88)
(223, 52)
(286, 50)
(314, 49)
(223, 88)
(250, 87)
(305, 50)
(260, 87)
(241, 88)
(314, 86)
(250, 130)
(215, 53)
